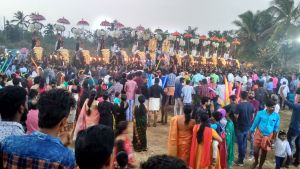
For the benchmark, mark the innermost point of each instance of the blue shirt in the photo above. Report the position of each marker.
(267, 123)
(39, 146)
(178, 88)
(149, 79)
(295, 119)
(270, 86)
(171, 80)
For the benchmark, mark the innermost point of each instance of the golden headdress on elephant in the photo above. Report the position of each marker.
(105, 55)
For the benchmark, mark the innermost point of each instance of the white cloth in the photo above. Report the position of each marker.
(230, 77)
(285, 90)
(282, 148)
(284, 80)
(154, 104)
(277, 108)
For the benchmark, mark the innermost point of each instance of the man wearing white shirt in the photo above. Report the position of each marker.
(230, 77)
(283, 92)
(283, 79)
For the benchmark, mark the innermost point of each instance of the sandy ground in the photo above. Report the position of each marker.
(157, 143)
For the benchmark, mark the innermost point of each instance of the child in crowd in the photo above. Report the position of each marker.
(122, 160)
(117, 99)
(215, 124)
(121, 110)
(282, 149)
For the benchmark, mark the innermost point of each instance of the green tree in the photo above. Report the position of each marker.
(191, 30)
(287, 16)
(20, 19)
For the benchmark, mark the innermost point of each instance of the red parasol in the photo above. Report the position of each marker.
(63, 20)
(105, 23)
(119, 25)
(176, 34)
(140, 28)
(222, 40)
(83, 23)
(236, 41)
(214, 38)
(202, 37)
(37, 17)
(188, 35)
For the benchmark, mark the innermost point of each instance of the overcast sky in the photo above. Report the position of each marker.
(166, 14)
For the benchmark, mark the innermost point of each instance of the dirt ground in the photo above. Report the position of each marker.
(157, 143)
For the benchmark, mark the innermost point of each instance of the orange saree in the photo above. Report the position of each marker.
(180, 138)
(201, 155)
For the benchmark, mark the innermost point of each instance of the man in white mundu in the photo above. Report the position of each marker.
(155, 93)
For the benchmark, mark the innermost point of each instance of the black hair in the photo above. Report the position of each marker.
(36, 80)
(93, 147)
(204, 100)
(16, 81)
(156, 81)
(204, 81)
(121, 127)
(281, 133)
(217, 115)
(270, 103)
(232, 98)
(187, 109)
(42, 83)
(123, 97)
(90, 101)
(187, 82)
(244, 95)
(163, 162)
(204, 123)
(122, 159)
(32, 94)
(53, 106)
(117, 94)
(11, 98)
(141, 99)
(105, 96)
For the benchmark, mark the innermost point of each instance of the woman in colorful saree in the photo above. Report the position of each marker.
(180, 135)
(89, 114)
(140, 126)
(201, 155)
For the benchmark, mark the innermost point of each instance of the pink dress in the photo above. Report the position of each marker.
(84, 120)
(32, 121)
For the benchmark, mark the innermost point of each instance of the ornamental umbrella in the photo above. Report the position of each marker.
(63, 20)
(83, 22)
(119, 25)
(214, 38)
(176, 34)
(140, 28)
(222, 40)
(188, 35)
(105, 23)
(36, 17)
(202, 37)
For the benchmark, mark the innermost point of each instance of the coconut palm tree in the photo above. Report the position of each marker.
(287, 16)
(20, 19)
(248, 26)
(248, 32)
(191, 30)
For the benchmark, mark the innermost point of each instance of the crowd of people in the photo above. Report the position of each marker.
(45, 113)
